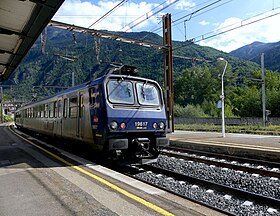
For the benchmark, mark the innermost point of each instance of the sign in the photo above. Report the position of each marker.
(219, 104)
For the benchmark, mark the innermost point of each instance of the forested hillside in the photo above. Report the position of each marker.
(253, 52)
(197, 83)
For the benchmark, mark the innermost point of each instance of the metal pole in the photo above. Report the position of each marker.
(223, 99)
(168, 72)
(263, 91)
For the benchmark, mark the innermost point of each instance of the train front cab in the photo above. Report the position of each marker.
(130, 118)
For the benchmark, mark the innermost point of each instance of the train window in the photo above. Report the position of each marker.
(41, 111)
(31, 112)
(46, 111)
(59, 110)
(94, 96)
(51, 109)
(120, 91)
(73, 106)
(81, 105)
(148, 94)
(55, 109)
(36, 112)
(65, 107)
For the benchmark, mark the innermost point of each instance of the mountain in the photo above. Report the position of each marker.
(88, 57)
(254, 50)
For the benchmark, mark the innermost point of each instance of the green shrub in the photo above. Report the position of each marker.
(8, 118)
(190, 111)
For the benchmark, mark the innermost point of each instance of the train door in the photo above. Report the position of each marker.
(71, 124)
(64, 118)
(59, 118)
(81, 116)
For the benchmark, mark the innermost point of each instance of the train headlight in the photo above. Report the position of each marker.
(161, 125)
(155, 125)
(113, 125)
(123, 125)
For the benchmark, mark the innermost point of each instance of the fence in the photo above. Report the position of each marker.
(228, 121)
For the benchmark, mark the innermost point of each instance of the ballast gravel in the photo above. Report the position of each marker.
(236, 179)
(258, 184)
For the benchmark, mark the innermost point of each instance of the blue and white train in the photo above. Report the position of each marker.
(119, 114)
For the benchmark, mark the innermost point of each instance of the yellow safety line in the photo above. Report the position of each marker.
(107, 183)
(228, 143)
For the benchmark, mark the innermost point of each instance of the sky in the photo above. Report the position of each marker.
(202, 21)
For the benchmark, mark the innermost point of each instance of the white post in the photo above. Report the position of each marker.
(223, 99)
(263, 91)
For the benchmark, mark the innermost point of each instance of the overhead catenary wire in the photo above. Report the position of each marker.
(160, 11)
(124, 1)
(203, 12)
(204, 37)
(237, 23)
(192, 14)
(147, 16)
(242, 24)
(108, 13)
(127, 25)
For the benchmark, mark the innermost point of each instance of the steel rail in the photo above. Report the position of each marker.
(257, 198)
(228, 157)
(131, 172)
(224, 164)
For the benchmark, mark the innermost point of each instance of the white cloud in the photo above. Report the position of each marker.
(85, 13)
(204, 23)
(183, 4)
(265, 31)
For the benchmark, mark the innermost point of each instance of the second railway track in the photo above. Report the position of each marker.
(267, 168)
(232, 188)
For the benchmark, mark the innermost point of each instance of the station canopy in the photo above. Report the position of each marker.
(21, 22)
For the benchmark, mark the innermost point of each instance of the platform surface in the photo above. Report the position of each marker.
(263, 145)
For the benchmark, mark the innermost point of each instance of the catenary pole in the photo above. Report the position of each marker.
(263, 91)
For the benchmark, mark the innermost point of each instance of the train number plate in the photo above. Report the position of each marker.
(141, 125)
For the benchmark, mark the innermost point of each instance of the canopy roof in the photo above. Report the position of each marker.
(21, 22)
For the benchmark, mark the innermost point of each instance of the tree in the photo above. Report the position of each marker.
(251, 103)
(194, 86)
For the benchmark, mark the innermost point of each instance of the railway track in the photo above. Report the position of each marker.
(267, 168)
(222, 198)
(230, 185)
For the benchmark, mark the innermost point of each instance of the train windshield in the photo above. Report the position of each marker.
(120, 91)
(148, 94)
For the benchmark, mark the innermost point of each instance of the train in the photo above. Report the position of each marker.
(119, 114)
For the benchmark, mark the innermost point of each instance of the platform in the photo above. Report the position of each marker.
(38, 181)
(244, 145)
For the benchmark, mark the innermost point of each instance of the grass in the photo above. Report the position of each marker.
(247, 129)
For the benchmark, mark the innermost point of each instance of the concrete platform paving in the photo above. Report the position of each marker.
(259, 146)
